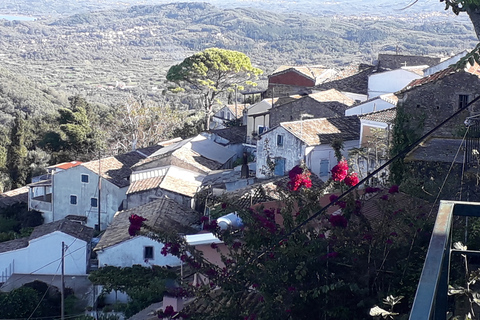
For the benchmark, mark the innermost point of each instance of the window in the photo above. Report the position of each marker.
(73, 199)
(279, 140)
(222, 114)
(324, 167)
(261, 129)
(85, 178)
(148, 252)
(462, 101)
(94, 202)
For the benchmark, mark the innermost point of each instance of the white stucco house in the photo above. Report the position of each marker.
(393, 80)
(309, 140)
(41, 252)
(80, 191)
(117, 248)
(445, 63)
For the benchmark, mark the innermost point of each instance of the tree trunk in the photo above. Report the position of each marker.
(474, 15)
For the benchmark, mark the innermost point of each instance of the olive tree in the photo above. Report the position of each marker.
(212, 72)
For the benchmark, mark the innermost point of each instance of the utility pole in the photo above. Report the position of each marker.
(62, 288)
(99, 187)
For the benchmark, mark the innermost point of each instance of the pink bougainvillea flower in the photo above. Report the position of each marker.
(393, 189)
(352, 179)
(384, 197)
(224, 205)
(135, 224)
(337, 220)
(299, 177)
(204, 219)
(333, 197)
(371, 190)
(340, 171)
(214, 245)
(342, 204)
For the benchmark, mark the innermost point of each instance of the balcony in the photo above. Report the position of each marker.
(40, 196)
(431, 299)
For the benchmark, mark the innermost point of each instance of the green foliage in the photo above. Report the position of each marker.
(406, 131)
(17, 152)
(212, 72)
(143, 285)
(17, 222)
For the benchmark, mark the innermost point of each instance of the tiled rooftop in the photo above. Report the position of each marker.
(386, 116)
(317, 131)
(12, 197)
(164, 214)
(74, 229)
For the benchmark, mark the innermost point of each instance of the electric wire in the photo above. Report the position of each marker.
(402, 153)
(43, 297)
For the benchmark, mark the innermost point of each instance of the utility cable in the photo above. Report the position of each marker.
(402, 153)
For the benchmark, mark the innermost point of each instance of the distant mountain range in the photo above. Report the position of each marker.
(378, 8)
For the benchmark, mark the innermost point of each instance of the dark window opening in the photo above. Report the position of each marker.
(73, 199)
(148, 253)
(462, 101)
(94, 202)
(85, 178)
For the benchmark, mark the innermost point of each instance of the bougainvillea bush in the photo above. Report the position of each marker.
(296, 260)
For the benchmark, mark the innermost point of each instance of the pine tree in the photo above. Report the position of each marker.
(17, 152)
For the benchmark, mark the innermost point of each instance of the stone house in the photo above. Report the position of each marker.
(323, 104)
(395, 61)
(117, 248)
(428, 101)
(258, 118)
(171, 181)
(290, 143)
(41, 252)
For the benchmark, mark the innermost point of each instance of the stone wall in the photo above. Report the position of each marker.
(396, 61)
(293, 110)
(426, 106)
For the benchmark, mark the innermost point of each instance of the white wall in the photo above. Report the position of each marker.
(68, 182)
(444, 64)
(260, 107)
(43, 256)
(370, 106)
(130, 252)
(326, 152)
(389, 81)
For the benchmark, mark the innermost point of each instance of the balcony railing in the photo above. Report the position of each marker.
(431, 299)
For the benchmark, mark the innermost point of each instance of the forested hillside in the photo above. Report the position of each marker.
(104, 54)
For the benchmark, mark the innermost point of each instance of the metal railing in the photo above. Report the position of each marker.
(431, 299)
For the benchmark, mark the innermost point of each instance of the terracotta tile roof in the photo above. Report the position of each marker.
(12, 197)
(74, 229)
(332, 95)
(351, 79)
(475, 70)
(179, 185)
(13, 244)
(66, 165)
(117, 169)
(315, 72)
(164, 214)
(386, 116)
(144, 184)
(196, 160)
(318, 131)
(438, 150)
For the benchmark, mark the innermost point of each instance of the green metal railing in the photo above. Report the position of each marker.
(431, 299)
